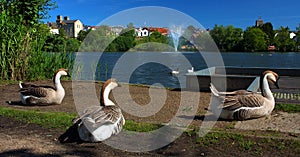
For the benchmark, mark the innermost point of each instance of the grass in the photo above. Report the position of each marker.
(290, 108)
(5, 82)
(131, 125)
(244, 142)
(56, 120)
(215, 138)
(21, 52)
(62, 121)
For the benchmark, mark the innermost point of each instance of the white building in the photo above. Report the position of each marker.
(54, 31)
(142, 32)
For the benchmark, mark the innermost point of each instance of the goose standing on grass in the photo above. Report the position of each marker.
(98, 123)
(242, 104)
(44, 95)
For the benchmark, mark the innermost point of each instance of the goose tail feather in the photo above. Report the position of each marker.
(20, 84)
(213, 90)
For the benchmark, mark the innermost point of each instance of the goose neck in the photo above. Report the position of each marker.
(105, 97)
(266, 92)
(57, 81)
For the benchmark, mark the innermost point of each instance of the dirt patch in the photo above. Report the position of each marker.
(280, 121)
(178, 107)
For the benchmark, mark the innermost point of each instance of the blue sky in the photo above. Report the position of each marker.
(239, 13)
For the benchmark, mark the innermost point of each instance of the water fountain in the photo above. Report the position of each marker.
(176, 32)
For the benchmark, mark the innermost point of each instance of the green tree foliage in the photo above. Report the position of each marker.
(23, 37)
(72, 45)
(298, 38)
(218, 34)
(123, 42)
(283, 41)
(61, 43)
(97, 40)
(19, 36)
(255, 40)
(152, 40)
(82, 34)
(54, 43)
(227, 38)
(268, 29)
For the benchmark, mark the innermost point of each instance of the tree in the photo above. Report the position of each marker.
(55, 43)
(255, 39)
(233, 38)
(283, 41)
(130, 25)
(82, 34)
(227, 38)
(218, 35)
(72, 45)
(123, 42)
(268, 29)
(31, 11)
(297, 37)
(22, 35)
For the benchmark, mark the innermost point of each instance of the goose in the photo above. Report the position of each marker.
(175, 72)
(43, 95)
(243, 104)
(98, 123)
(190, 70)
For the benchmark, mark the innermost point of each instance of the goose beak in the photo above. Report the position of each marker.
(276, 84)
(68, 74)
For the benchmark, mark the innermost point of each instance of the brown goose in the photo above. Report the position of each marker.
(242, 104)
(98, 123)
(44, 95)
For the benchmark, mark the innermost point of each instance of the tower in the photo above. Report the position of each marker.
(259, 22)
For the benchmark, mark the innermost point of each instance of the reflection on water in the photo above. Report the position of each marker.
(154, 67)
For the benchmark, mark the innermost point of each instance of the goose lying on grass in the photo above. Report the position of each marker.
(242, 104)
(44, 95)
(98, 123)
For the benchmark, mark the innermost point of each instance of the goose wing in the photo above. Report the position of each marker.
(103, 115)
(29, 85)
(215, 92)
(237, 92)
(244, 100)
(37, 91)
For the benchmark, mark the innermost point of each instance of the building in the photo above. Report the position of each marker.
(259, 22)
(163, 31)
(54, 31)
(144, 32)
(116, 29)
(292, 35)
(71, 27)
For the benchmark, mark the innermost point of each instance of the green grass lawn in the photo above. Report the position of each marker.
(62, 120)
(291, 108)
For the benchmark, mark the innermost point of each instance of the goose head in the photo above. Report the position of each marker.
(272, 77)
(60, 72)
(111, 84)
(106, 88)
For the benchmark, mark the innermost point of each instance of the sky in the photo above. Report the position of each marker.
(239, 13)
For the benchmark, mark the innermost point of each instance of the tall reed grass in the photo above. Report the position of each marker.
(21, 55)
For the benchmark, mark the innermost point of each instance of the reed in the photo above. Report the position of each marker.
(21, 55)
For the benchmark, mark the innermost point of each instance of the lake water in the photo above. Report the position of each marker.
(154, 67)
